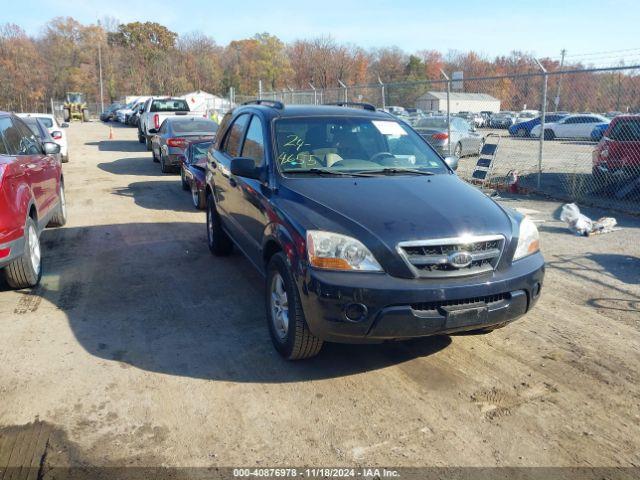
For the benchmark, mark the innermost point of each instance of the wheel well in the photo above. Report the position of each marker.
(270, 249)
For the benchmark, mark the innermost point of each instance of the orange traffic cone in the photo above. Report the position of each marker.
(110, 133)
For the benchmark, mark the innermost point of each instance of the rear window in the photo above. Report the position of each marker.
(170, 105)
(195, 126)
(46, 121)
(626, 131)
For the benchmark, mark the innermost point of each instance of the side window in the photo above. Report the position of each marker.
(570, 121)
(234, 136)
(11, 135)
(5, 123)
(254, 142)
(28, 142)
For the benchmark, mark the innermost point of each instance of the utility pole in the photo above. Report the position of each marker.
(100, 69)
(563, 52)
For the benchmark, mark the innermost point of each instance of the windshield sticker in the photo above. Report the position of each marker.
(295, 141)
(389, 128)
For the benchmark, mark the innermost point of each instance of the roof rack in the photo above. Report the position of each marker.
(364, 106)
(268, 103)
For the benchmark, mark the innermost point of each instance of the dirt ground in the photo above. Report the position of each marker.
(140, 348)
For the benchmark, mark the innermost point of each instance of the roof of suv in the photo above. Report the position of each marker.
(316, 111)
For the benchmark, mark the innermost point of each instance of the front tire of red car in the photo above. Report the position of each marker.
(60, 217)
(288, 327)
(26, 271)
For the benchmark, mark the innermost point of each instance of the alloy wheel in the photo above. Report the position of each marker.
(279, 307)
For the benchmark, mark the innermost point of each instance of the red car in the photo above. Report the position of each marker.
(618, 152)
(31, 198)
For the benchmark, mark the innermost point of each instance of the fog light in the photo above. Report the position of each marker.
(354, 312)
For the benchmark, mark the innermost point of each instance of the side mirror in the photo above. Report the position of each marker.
(153, 131)
(452, 162)
(64, 125)
(245, 167)
(50, 148)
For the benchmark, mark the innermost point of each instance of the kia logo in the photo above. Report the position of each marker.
(460, 259)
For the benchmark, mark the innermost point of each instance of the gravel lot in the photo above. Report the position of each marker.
(140, 348)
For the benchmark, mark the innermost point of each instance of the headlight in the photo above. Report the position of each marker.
(528, 241)
(332, 251)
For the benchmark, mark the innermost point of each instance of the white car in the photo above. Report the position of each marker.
(56, 131)
(123, 114)
(577, 126)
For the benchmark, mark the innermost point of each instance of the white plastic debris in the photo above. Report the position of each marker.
(582, 225)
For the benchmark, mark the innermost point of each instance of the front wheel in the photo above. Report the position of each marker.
(183, 180)
(85, 115)
(288, 328)
(458, 150)
(60, 217)
(197, 197)
(26, 271)
(217, 239)
(549, 134)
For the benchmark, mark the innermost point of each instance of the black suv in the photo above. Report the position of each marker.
(363, 232)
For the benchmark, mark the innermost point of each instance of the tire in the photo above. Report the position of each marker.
(521, 132)
(549, 134)
(148, 143)
(219, 242)
(141, 138)
(183, 180)
(288, 328)
(26, 271)
(154, 156)
(85, 115)
(60, 217)
(66, 115)
(197, 197)
(458, 150)
(65, 158)
(163, 166)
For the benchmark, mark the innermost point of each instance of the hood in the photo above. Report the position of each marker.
(397, 208)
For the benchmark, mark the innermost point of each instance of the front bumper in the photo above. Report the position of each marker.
(399, 308)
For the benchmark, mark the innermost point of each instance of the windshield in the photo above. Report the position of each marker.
(348, 144)
(169, 105)
(193, 126)
(47, 122)
(199, 151)
(75, 97)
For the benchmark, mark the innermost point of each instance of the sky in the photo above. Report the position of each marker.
(585, 28)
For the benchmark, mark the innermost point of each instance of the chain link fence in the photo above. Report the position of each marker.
(571, 135)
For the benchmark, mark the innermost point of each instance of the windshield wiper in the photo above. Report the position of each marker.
(326, 171)
(391, 171)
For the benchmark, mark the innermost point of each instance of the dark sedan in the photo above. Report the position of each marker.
(193, 165)
(40, 130)
(171, 139)
(109, 113)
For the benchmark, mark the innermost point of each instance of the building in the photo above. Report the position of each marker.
(459, 102)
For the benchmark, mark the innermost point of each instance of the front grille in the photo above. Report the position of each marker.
(466, 302)
(452, 257)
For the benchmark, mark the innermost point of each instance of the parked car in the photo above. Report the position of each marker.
(618, 152)
(193, 165)
(41, 131)
(523, 129)
(464, 140)
(122, 114)
(577, 126)
(154, 112)
(170, 141)
(32, 189)
(136, 111)
(304, 192)
(598, 131)
(474, 119)
(56, 130)
(486, 115)
(109, 113)
(503, 119)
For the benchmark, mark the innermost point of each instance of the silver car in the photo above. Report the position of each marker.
(464, 139)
